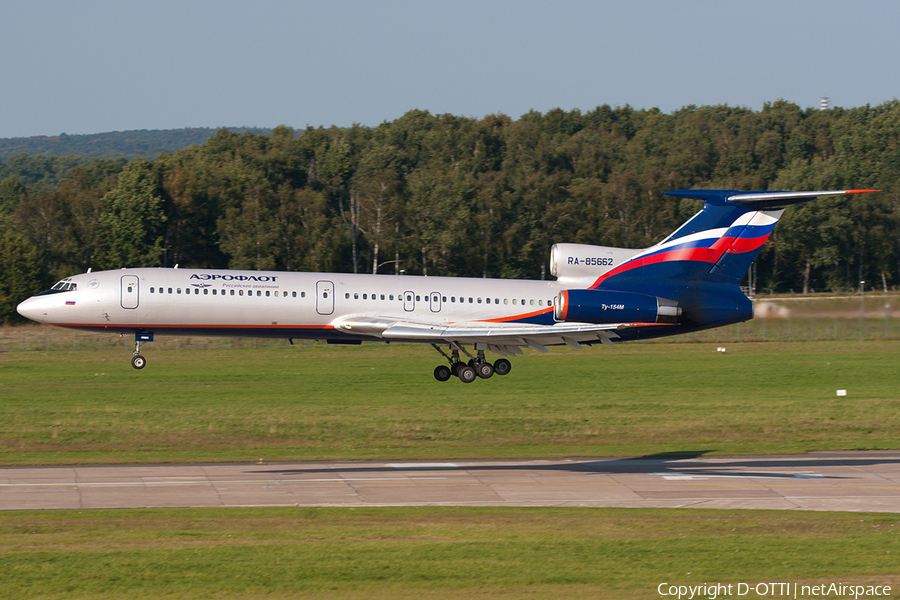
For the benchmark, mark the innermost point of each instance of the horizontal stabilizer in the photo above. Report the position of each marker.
(784, 198)
(760, 200)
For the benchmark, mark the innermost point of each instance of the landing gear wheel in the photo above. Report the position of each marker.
(484, 370)
(442, 373)
(502, 367)
(467, 374)
(138, 362)
(454, 370)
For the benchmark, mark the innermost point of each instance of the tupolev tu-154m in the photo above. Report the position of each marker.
(687, 282)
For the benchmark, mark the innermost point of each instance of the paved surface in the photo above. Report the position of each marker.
(846, 481)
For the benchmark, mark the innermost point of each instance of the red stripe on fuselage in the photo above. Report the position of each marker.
(185, 326)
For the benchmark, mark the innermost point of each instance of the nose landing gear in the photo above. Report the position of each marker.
(477, 366)
(138, 361)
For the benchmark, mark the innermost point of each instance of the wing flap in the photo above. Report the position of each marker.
(506, 339)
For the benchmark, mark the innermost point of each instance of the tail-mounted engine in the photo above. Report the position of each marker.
(602, 306)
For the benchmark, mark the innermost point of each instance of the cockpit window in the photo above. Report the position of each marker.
(66, 285)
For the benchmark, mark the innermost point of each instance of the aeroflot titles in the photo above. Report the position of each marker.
(208, 277)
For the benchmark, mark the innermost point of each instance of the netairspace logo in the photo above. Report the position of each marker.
(772, 590)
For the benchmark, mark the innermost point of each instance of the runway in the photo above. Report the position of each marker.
(842, 481)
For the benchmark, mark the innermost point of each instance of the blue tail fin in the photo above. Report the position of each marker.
(723, 239)
(700, 265)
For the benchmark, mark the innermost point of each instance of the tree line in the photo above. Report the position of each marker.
(136, 143)
(447, 195)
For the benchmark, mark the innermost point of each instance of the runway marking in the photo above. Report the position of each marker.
(700, 476)
(443, 465)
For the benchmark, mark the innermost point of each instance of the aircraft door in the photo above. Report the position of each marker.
(324, 297)
(130, 295)
(409, 301)
(435, 302)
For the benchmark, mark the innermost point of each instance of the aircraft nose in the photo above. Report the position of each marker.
(31, 309)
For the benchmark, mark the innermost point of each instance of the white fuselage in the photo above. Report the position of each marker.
(279, 304)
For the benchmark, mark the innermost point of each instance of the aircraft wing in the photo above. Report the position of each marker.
(505, 339)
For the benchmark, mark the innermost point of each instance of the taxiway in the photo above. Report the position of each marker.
(843, 481)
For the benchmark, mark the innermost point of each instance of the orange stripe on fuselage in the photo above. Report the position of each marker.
(517, 317)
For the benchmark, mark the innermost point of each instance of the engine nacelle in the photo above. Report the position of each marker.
(581, 264)
(602, 306)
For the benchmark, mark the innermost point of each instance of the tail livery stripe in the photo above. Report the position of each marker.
(746, 234)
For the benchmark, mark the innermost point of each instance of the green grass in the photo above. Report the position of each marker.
(379, 401)
(431, 553)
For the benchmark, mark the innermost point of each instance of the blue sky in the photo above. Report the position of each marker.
(94, 66)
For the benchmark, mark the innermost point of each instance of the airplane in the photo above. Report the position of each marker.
(687, 282)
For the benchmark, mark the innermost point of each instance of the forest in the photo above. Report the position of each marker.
(430, 194)
(136, 143)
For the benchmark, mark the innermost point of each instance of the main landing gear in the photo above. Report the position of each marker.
(477, 366)
(138, 361)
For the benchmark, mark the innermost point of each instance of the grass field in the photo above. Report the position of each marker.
(375, 401)
(379, 401)
(433, 553)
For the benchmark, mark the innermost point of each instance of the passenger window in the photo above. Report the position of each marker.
(382, 296)
(496, 300)
(151, 290)
(409, 298)
(365, 296)
(514, 301)
(391, 297)
(479, 301)
(487, 300)
(324, 294)
(214, 292)
(240, 292)
(532, 302)
(418, 298)
(470, 300)
(196, 291)
(452, 298)
(443, 298)
(294, 295)
(178, 290)
(267, 293)
(356, 296)
(523, 301)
